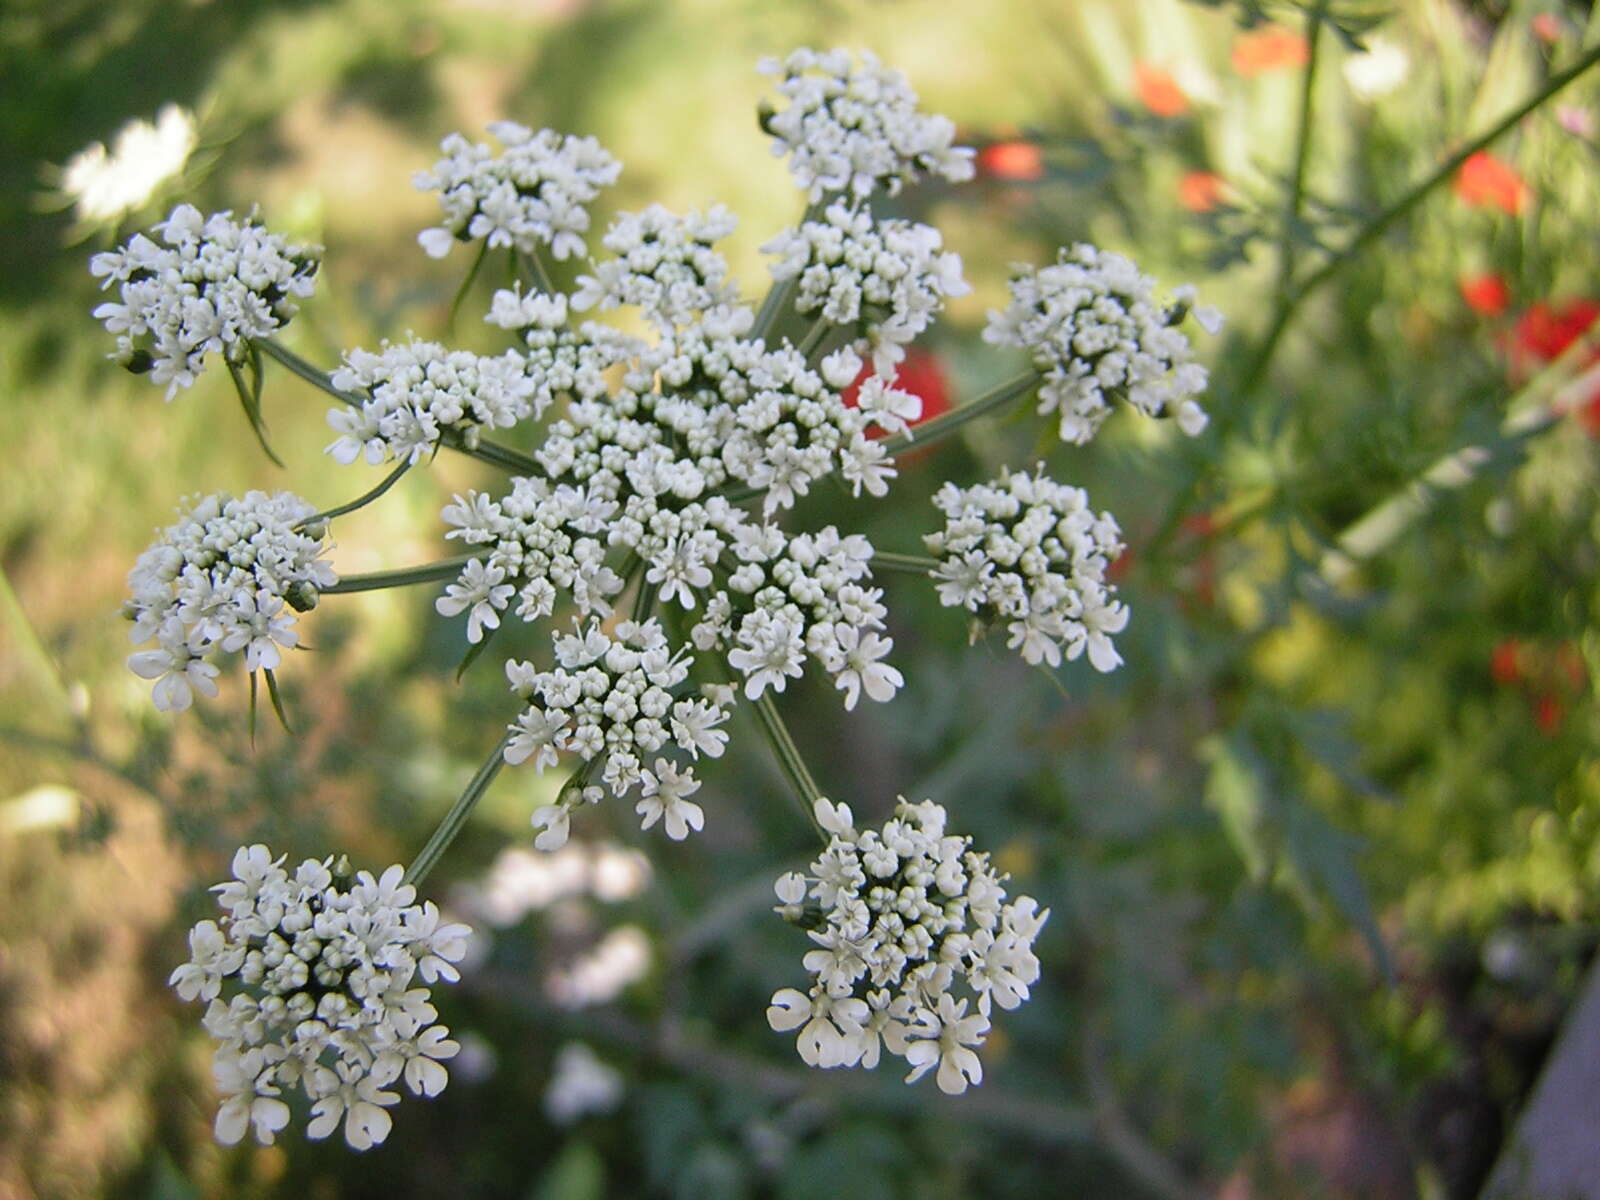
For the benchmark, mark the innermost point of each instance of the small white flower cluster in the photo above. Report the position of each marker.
(413, 393)
(888, 278)
(665, 265)
(791, 596)
(534, 192)
(856, 128)
(560, 361)
(903, 917)
(323, 976)
(224, 577)
(209, 285)
(610, 701)
(1031, 551)
(1092, 325)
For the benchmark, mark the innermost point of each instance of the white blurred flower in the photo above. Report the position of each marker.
(105, 185)
(601, 974)
(1378, 70)
(581, 1085)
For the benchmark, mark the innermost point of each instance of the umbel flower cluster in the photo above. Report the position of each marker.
(1031, 552)
(1092, 325)
(229, 575)
(210, 285)
(316, 982)
(647, 520)
(915, 945)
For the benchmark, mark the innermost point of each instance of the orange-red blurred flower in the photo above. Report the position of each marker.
(1270, 48)
(1158, 91)
(1486, 295)
(1543, 333)
(1015, 160)
(1485, 181)
(1505, 662)
(1547, 28)
(1200, 191)
(919, 373)
(1548, 712)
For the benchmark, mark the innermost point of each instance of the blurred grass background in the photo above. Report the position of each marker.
(1286, 785)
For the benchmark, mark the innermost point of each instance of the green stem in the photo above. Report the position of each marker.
(943, 426)
(492, 453)
(1381, 224)
(1295, 198)
(794, 766)
(456, 818)
(1255, 370)
(915, 564)
(534, 263)
(466, 286)
(312, 375)
(819, 330)
(772, 307)
(360, 501)
(447, 568)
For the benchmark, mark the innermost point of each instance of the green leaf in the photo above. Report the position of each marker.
(473, 651)
(578, 1174)
(250, 401)
(1284, 842)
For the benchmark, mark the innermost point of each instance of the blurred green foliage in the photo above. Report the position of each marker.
(1322, 855)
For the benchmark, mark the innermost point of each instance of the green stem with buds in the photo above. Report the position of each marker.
(377, 580)
(456, 818)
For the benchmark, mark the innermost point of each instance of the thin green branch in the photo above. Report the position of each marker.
(1294, 199)
(534, 262)
(914, 564)
(1255, 370)
(315, 377)
(360, 501)
(1390, 216)
(942, 426)
(447, 568)
(788, 754)
(777, 299)
(456, 818)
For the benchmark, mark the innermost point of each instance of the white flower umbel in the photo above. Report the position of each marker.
(855, 129)
(535, 192)
(664, 264)
(209, 285)
(105, 185)
(229, 575)
(1031, 552)
(616, 702)
(886, 279)
(1093, 327)
(915, 945)
(413, 394)
(318, 982)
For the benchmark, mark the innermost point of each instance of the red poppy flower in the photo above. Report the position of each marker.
(1548, 713)
(1486, 295)
(1547, 28)
(1270, 48)
(1485, 181)
(1200, 191)
(1505, 664)
(1014, 160)
(919, 373)
(1158, 91)
(1543, 333)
